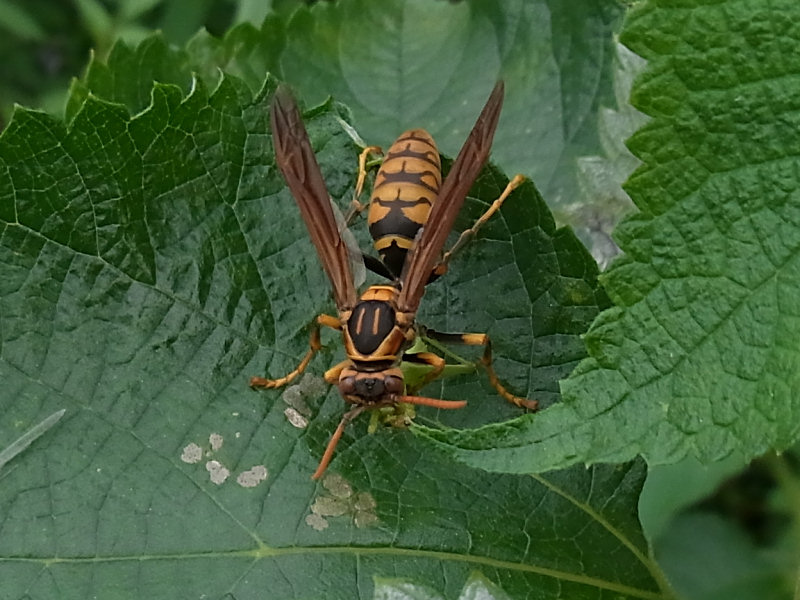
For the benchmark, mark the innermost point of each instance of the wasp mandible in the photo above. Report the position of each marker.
(378, 327)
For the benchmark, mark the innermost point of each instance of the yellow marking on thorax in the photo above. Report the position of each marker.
(375, 322)
(360, 322)
(386, 293)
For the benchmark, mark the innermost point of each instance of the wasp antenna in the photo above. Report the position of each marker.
(337, 435)
(434, 402)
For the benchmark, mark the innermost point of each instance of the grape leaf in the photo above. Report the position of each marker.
(699, 355)
(396, 67)
(150, 265)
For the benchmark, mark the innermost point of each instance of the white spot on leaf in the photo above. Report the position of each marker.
(337, 486)
(316, 522)
(215, 441)
(252, 477)
(365, 519)
(365, 502)
(342, 502)
(218, 472)
(192, 453)
(328, 506)
(295, 418)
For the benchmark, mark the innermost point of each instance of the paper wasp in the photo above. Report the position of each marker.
(378, 327)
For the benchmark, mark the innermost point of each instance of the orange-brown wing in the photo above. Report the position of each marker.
(296, 160)
(430, 241)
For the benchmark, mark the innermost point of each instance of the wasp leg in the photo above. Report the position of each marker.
(467, 235)
(482, 339)
(355, 206)
(314, 345)
(332, 375)
(427, 358)
(337, 435)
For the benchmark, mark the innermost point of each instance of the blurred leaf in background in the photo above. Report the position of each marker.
(43, 46)
(47, 42)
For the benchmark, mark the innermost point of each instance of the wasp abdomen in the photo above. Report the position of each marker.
(405, 189)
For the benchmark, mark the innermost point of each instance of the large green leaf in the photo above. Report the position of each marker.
(150, 265)
(699, 357)
(544, 281)
(555, 57)
(396, 66)
(404, 63)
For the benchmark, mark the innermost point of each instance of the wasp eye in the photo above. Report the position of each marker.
(347, 385)
(394, 384)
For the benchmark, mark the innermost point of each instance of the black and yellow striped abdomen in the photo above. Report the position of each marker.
(405, 189)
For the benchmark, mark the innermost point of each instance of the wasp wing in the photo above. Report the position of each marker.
(295, 158)
(354, 254)
(431, 239)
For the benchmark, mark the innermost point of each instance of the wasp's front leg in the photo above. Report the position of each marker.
(314, 346)
(355, 206)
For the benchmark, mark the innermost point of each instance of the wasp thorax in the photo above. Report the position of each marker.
(360, 387)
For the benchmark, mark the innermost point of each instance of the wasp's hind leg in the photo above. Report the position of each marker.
(314, 344)
(467, 235)
(482, 339)
(356, 207)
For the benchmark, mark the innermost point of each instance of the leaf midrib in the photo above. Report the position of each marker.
(264, 551)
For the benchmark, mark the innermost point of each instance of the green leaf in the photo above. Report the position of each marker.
(127, 76)
(95, 17)
(699, 357)
(546, 278)
(134, 9)
(671, 488)
(150, 264)
(709, 559)
(128, 73)
(395, 65)
(603, 201)
(253, 11)
(19, 22)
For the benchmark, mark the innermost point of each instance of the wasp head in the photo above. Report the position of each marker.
(371, 387)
